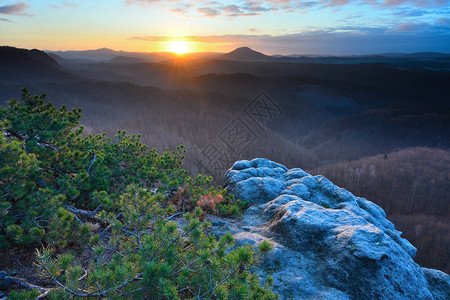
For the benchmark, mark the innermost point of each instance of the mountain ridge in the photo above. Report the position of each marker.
(239, 54)
(23, 65)
(246, 54)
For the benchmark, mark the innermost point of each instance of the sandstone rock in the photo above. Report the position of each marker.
(329, 244)
(439, 283)
(258, 189)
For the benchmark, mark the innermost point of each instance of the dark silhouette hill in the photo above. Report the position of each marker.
(11, 56)
(22, 65)
(246, 54)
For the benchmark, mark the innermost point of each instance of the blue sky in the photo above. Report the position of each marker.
(275, 26)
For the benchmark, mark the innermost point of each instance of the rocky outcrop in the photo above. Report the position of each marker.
(329, 244)
(439, 283)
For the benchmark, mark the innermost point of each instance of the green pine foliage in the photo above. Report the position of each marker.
(150, 257)
(60, 188)
(24, 295)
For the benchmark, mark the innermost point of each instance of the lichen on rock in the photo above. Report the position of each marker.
(328, 243)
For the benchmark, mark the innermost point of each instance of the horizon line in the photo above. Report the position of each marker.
(214, 52)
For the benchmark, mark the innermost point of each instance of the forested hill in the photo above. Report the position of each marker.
(323, 112)
(30, 66)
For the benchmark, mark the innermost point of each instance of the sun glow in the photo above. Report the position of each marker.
(178, 47)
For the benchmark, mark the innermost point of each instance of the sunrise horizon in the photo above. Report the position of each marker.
(228, 50)
(272, 27)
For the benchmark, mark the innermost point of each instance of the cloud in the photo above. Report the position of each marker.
(228, 38)
(66, 4)
(182, 9)
(231, 9)
(247, 8)
(335, 41)
(14, 9)
(146, 2)
(257, 7)
(413, 3)
(444, 21)
(6, 20)
(407, 27)
(412, 13)
(335, 2)
(208, 11)
(216, 9)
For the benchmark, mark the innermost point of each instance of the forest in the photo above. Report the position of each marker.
(377, 126)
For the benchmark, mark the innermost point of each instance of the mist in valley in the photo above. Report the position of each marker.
(378, 126)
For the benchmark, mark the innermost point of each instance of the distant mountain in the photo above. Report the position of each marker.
(239, 54)
(419, 55)
(246, 54)
(106, 54)
(202, 55)
(55, 57)
(22, 65)
(127, 59)
(113, 56)
(98, 54)
(415, 55)
(427, 55)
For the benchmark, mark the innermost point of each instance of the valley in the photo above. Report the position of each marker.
(377, 125)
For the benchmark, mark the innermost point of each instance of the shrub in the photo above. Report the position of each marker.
(60, 187)
(150, 257)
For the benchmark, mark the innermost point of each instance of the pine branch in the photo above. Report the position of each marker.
(174, 215)
(10, 133)
(84, 213)
(81, 295)
(23, 284)
(92, 162)
(220, 283)
(53, 169)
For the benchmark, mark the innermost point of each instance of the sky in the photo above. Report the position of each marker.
(337, 27)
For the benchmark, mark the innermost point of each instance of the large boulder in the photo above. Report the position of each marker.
(439, 283)
(328, 243)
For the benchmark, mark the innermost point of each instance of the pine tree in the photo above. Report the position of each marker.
(59, 187)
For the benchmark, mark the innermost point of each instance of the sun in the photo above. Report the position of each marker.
(178, 47)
